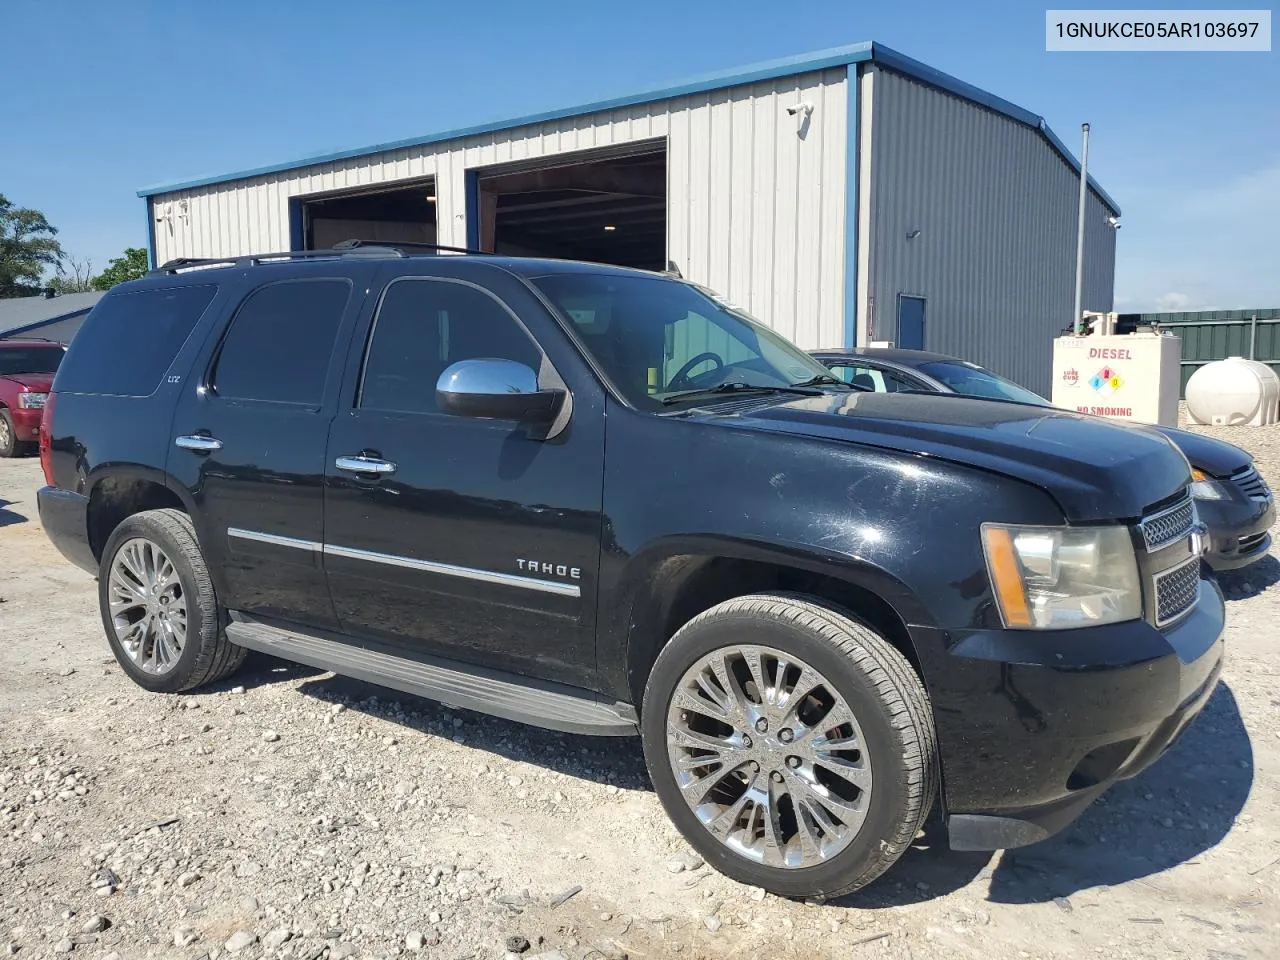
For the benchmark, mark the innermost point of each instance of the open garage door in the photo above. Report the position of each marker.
(405, 213)
(606, 206)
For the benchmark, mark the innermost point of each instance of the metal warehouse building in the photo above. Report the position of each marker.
(842, 197)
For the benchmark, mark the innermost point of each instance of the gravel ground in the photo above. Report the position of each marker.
(289, 813)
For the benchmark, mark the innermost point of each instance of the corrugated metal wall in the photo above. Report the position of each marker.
(755, 211)
(1209, 335)
(996, 207)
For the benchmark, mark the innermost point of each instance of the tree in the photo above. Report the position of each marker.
(74, 276)
(131, 266)
(27, 249)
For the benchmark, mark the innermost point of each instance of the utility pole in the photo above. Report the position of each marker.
(1076, 320)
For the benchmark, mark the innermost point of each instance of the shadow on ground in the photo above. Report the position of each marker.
(260, 670)
(1173, 813)
(609, 760)
(1251, 580)
(1176, 811)
(9, 517)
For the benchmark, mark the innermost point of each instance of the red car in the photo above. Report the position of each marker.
(26, 374)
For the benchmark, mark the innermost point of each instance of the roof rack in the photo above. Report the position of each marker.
(344, 248)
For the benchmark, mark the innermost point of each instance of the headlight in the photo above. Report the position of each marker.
(32, 401)
(1204, 487)
(1056, 578)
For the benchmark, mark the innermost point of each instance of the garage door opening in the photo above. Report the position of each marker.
(405, 214)
(603, 206)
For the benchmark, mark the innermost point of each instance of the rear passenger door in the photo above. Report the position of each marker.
(249, 434)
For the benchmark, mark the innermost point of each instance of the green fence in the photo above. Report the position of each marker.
(1215, 335)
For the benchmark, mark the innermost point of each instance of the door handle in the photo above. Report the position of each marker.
(199, 444)
(362, 464)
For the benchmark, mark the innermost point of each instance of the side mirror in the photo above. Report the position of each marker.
(496, 390)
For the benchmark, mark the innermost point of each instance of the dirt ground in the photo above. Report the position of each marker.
(290, 813)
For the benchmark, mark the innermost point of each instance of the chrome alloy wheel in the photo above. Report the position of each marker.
(768, 756)
(148, 606)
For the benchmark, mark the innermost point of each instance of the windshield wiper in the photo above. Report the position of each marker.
(826, 379)
(737, 387)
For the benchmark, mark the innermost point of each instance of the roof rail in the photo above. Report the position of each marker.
(344, 248)
(253, 260)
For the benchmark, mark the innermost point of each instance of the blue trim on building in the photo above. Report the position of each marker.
(853, 163)
(892, 60)
(1069, 157)
(296, 227)
(151, 235)
(471, 179)
(768, 70)
(753, 73)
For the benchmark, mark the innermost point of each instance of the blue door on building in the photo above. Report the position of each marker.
(910, 322)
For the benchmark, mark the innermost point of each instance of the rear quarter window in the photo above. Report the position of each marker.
(129, 340)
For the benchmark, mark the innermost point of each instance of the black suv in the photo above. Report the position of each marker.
(600, 501)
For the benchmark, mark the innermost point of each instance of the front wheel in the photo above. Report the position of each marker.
(792, 746)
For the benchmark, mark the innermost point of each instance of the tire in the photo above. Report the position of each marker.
(892, 727)
(205, 655)
(9, 445)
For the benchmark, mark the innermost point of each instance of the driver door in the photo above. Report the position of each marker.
(474, 541)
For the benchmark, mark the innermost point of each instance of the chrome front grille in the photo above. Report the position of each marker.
(1168, 526)
(1251, 484)
(1176, 591)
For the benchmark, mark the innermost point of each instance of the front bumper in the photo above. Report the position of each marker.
(64, 515)
(1033, 727)
(1237, 530)
(26, 423)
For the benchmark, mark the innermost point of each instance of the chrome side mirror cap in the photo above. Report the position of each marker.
(495, 389)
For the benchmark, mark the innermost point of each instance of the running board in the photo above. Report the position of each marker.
(539, 703)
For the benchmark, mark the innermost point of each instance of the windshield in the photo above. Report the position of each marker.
(30, 359)
(976, 382)
(657, 338)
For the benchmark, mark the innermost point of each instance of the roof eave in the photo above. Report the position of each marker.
(752, 73)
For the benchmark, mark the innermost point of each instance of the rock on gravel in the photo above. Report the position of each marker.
(239, 940)
(183, 936)
(415, 941)
(276, 938)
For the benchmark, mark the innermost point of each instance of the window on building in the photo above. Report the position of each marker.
(426, 325)
(281, 342)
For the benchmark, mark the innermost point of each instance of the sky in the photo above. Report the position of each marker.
(104, 97)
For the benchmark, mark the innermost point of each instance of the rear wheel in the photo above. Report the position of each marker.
(791, 745)
(158, 605)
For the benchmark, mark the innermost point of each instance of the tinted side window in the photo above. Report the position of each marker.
(129, 339)
(424, 326)
(280, 342)
(870, 378)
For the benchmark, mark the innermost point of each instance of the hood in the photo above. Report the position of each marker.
(1095, 469)
(34, 382)
(1215, 457)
